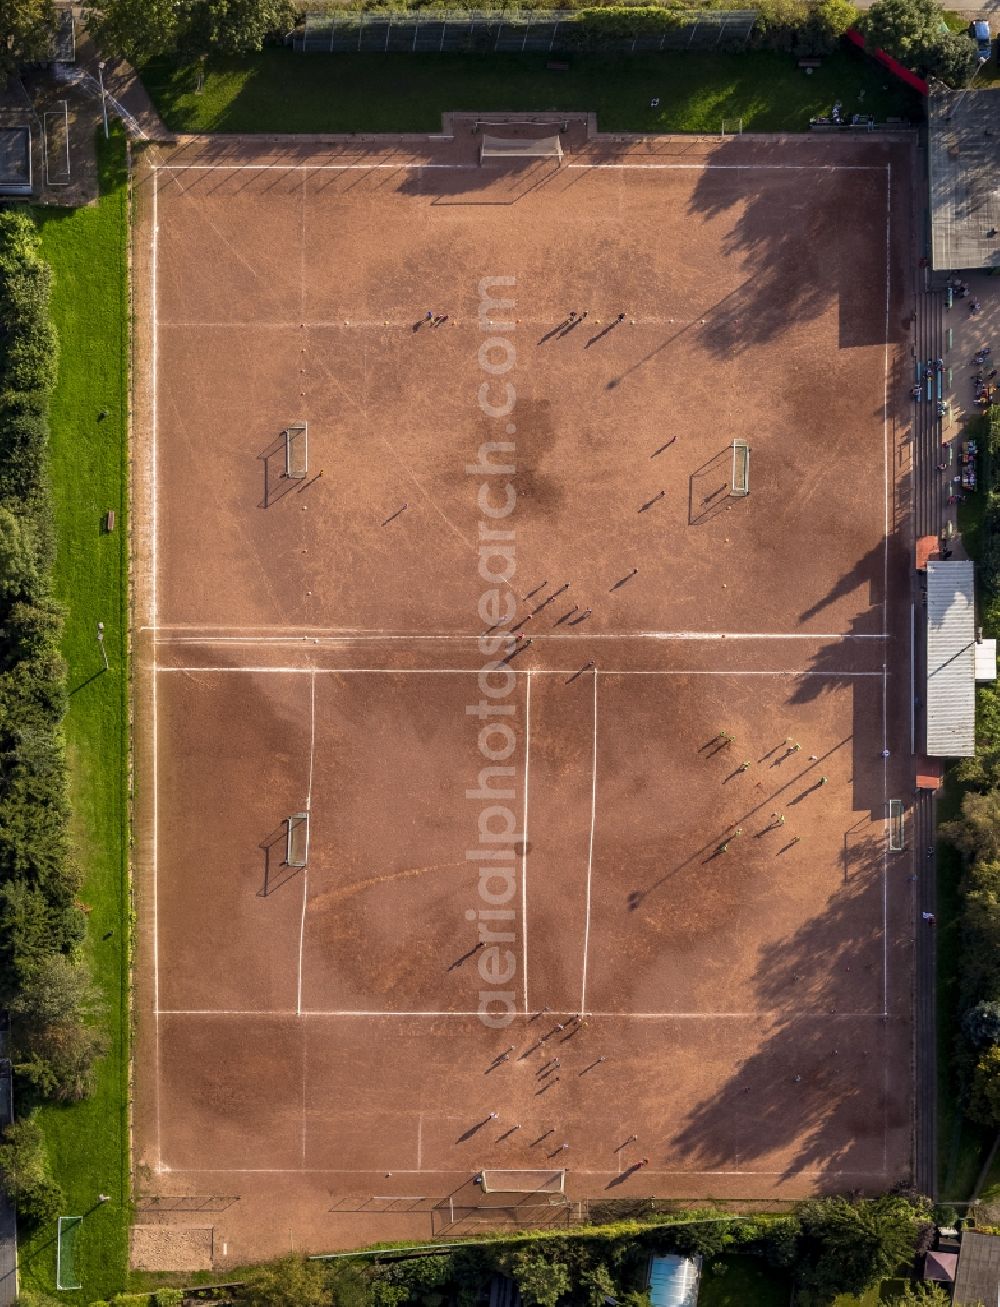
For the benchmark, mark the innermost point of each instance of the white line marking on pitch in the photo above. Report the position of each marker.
(534, 671)
(305, 1068)
(361, 637)
(415, 166)
(729, 167)
(154, 860)
(401, 165)
(367, 1170)
(524, 844)
(885, 686)
(305, 870)
(790, 1016)
(590, 856)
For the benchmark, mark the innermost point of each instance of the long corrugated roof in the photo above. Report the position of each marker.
(951, 660)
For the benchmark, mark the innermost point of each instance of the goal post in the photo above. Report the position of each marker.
(731, 127)
(501, 149)
(739, 484)
(897, 827)
(55, 146)
(296, 437)
(522, 1182)
(297, 839)
(67, 1229)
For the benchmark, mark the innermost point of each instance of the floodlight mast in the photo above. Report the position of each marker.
(104, 98)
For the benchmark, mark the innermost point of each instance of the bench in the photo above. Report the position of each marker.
(109, 521)
(810, 63)
(557, 66)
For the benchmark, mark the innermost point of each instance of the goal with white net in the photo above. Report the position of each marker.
(507, 149)
(523, 1182)
(296, 439)
(297, 839)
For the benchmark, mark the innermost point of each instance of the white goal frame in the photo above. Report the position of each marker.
(739, 484)
(522, 1182)
(514, 148)
(297, 845)
(297, 450)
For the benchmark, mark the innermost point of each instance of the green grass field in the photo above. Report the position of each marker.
(88, 1142)
(744, 1282)
(281, 91)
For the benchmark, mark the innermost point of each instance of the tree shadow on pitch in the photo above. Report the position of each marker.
(811, 1095)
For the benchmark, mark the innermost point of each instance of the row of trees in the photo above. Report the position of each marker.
(913, 31)
(44, 982)
(977, 835)
(826, 1247)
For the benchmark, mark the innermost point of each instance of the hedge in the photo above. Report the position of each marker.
(44, 983)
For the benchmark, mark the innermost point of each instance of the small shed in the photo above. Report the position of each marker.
(986, 660)
(673, 1280)
(940, 1267)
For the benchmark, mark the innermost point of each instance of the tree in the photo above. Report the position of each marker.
(828, 21)
(289, 1282)
(18, 556)
(977, 832)
(921, 1295)
(981, 1024)
(55, 1042)
(24, 1173)
(903, 28)
(134, 29)
(347, 1285)
(141, 29)
(983, 768)
(952, 57)
(541, 1281)
(984, 1094)
(914, 31)
(27, 27)
(56, 990)
(233, 26)
(849, 1246)
(598, 1285)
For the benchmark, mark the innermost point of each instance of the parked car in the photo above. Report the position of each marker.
(979, 30)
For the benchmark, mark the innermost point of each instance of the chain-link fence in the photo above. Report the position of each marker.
(541, 32)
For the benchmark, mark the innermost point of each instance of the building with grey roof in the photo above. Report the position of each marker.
(964, 170)
(951, 659)
(977, 1281)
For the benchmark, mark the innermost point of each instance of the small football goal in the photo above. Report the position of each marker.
(297, 839)
(522, 1182)
(739, 484)
(516, 149)
(296, 437)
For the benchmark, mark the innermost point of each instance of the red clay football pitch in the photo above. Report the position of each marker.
(588, 744)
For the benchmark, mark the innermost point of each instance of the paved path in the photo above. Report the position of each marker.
(123, 83)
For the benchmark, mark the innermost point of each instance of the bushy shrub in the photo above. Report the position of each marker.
(24, 1173)
(981, 1023)
(55, 1032)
